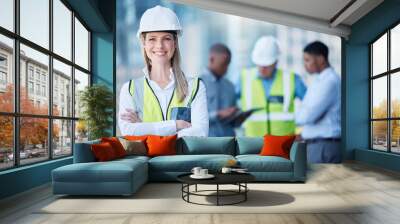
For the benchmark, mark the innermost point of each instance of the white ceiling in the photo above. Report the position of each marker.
(326, 16)
(321, 9)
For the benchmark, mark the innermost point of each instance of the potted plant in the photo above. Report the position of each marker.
(97, 104)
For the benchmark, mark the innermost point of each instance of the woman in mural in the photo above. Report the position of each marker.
(163, 101)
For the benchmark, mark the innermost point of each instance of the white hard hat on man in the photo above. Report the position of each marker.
(266, 51)
(159, 18)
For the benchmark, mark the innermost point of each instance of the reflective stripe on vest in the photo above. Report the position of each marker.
(278, 116)
(147, 104)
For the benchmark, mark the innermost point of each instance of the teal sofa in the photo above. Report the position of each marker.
(125, 176)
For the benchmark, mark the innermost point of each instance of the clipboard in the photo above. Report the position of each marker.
(239, 117)
(181, 113)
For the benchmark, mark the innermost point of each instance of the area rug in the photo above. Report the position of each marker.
(167, 198)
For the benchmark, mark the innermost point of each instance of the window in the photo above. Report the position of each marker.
(3, 78)
(30, 87)
(81, 81)
(6, 73)
(62, 137)
(53, 125)
(30, 72)
(44, 91)
(62, 31)
(385, 97)
(33, 149)
(62, 74)
(3, 72)
(37, 75)
(3, 61)
(38, 89)
(6, 142)
(34, 21)
(7, 14)
(81, 45)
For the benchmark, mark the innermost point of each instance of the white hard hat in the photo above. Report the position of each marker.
(266, 51)
(159, 18)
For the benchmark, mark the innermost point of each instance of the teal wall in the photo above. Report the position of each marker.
(380, 159)
(103, 63)
(24, 178)
(356, 108)
(99, 16)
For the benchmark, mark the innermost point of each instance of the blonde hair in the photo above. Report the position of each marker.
(180, 79)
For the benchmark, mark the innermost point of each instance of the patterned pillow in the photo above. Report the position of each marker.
(137, 147)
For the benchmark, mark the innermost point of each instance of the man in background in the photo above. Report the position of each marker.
(221, 99)
(270, 88)
(320, 110)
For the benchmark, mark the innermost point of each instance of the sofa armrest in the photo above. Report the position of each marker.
(298, 156)
(83, 152)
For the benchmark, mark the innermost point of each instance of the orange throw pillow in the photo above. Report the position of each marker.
(277, 145)
(116, 145)
(103, 151)
(161, 145)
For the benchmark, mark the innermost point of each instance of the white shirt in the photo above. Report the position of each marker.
(319, 113)
(199, 112)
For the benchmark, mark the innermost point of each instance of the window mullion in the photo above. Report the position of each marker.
(389, 102)
(16, 84)
(50, 81)
(371, 126)
(73, 82)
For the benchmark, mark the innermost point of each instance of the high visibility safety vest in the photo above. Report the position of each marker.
(147, 104)
(277, 114)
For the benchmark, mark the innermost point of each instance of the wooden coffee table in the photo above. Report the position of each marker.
(238, 179)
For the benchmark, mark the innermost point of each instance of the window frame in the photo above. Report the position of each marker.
(388, 74)
(16, 114)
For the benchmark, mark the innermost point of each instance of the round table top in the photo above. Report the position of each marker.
(220, 178)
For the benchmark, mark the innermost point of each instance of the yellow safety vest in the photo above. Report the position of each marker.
(277, 115)
(147, 104)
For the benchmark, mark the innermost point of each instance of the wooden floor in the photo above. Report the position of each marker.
(377, 188)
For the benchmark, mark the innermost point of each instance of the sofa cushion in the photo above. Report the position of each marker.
(206, 145)
(249, 145)
(257, 163)
(185, 163)
(132, 158)
(83, 153)
(111, 171)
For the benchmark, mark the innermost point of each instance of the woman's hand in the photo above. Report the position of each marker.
(181, 124)
(130, 116)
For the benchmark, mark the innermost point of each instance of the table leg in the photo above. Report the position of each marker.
(245, 193)
(188, 190)
(217, 194)
(182, 190)
(196, 188)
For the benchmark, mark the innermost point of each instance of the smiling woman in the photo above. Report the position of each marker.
(148, 103)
